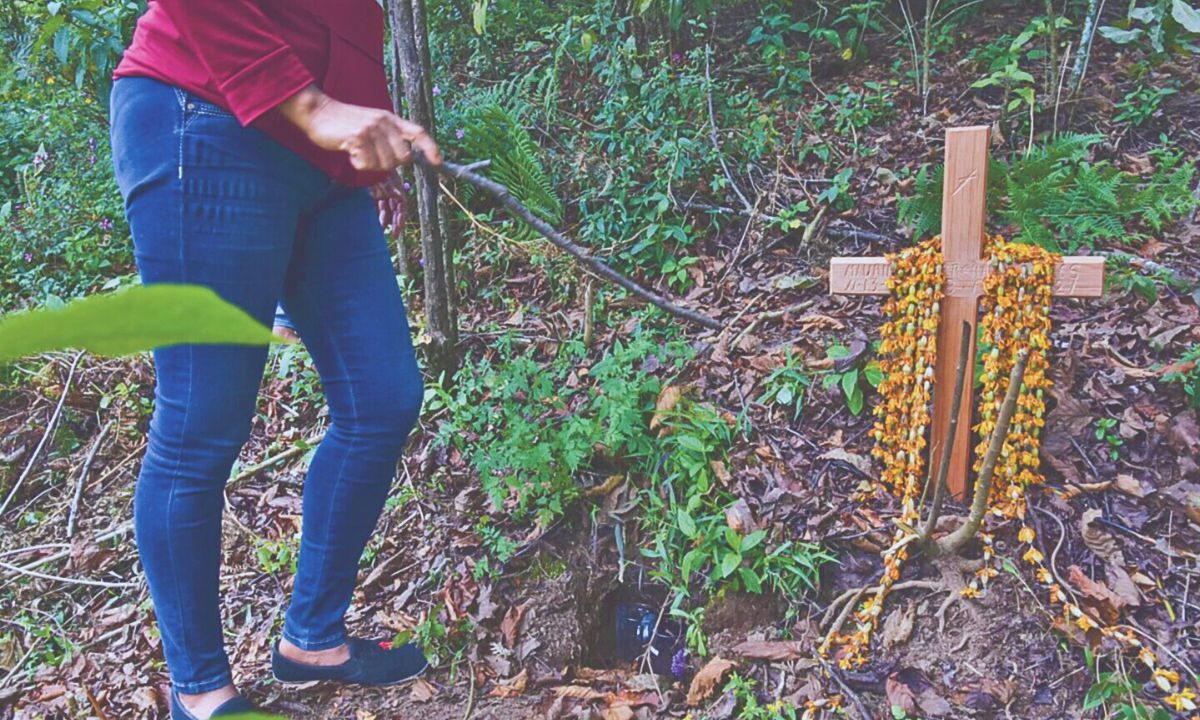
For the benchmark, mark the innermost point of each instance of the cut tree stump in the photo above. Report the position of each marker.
(964, 206)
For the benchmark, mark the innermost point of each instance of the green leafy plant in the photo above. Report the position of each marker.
(1057, 197)
(853, 380)
(688, 510)
(277, 555)
(785, 385)
(1186, 373)
(1107, 431)
(1116, 694)
(1165, 25)
(1142, 103)
(751, 707)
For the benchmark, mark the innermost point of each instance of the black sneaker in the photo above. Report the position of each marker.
(370, 663)
(233, 707)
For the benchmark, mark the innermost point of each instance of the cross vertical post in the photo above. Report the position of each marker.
(964, 210)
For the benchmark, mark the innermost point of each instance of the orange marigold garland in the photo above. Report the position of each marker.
(906, 357)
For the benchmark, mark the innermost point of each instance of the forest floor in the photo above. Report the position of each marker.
(549, 614)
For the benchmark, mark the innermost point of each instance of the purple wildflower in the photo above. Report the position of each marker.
(92, 144)
(92, 160)
(106, 224)
(679, 663)
(437, 90)
(407, 187)
(460, 133)
(28, 257)
(676, 57)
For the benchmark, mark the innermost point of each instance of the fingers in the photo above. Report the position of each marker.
(420, 140)
(385, 142)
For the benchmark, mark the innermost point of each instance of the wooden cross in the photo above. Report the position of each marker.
(963, 210)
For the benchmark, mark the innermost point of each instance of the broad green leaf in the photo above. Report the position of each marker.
(1186, 15)
(752, 540)
(1120, 36)
(850, 382)
(729, 563)
(750, 580)
(686, 524)
(130, 321)
(855, 401)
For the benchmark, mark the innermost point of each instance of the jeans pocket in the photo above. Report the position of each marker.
(193, 106)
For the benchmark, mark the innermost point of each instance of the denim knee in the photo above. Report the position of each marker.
(386, 413)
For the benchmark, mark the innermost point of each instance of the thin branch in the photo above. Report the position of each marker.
(712, 124)
(68, 580)
(953, 542)
(37, 451)
(87, 465)
(590, 262)
(939, 488)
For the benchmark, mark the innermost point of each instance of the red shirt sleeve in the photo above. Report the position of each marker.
(253, 68)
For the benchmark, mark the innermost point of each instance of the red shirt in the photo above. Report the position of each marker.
(248, 56)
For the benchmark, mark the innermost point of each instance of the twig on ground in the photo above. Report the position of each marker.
(854, 698)
(68, 580)
(279, 457)
(470, 691)
(590, 262)
(49, 431)
(712, 127)
(87, 465)
(769, 315)
(105, 537)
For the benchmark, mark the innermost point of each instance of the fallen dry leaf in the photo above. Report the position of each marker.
(898, 626)
(612, 482)
(579, 692)
(719, 469)
(773, 650)
(1097, 596)
(510, 626)
(617, 712)
(739, 518)
(1099, 540)
(708, 679)
(423, 691)
(668, 397)
(512, 687)
(1130, 485)
(859, 462)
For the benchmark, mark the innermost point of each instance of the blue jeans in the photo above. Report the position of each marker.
(212, 203)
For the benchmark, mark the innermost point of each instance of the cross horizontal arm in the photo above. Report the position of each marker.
(1074, 276)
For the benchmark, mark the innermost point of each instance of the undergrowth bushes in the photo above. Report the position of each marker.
(62, 227)
(1058, 197)
(532, 427)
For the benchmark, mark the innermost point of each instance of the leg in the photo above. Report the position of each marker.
(341, 292)
(207, 205)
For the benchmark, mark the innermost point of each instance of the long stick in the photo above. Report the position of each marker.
(564, 243)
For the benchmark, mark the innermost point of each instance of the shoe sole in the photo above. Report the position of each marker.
(303, 684)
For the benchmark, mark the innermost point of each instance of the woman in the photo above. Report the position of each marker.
(245, 135)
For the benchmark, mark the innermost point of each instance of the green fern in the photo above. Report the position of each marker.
(492, 132)
(1058, 198)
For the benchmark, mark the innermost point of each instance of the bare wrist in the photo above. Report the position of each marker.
(301, 107)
